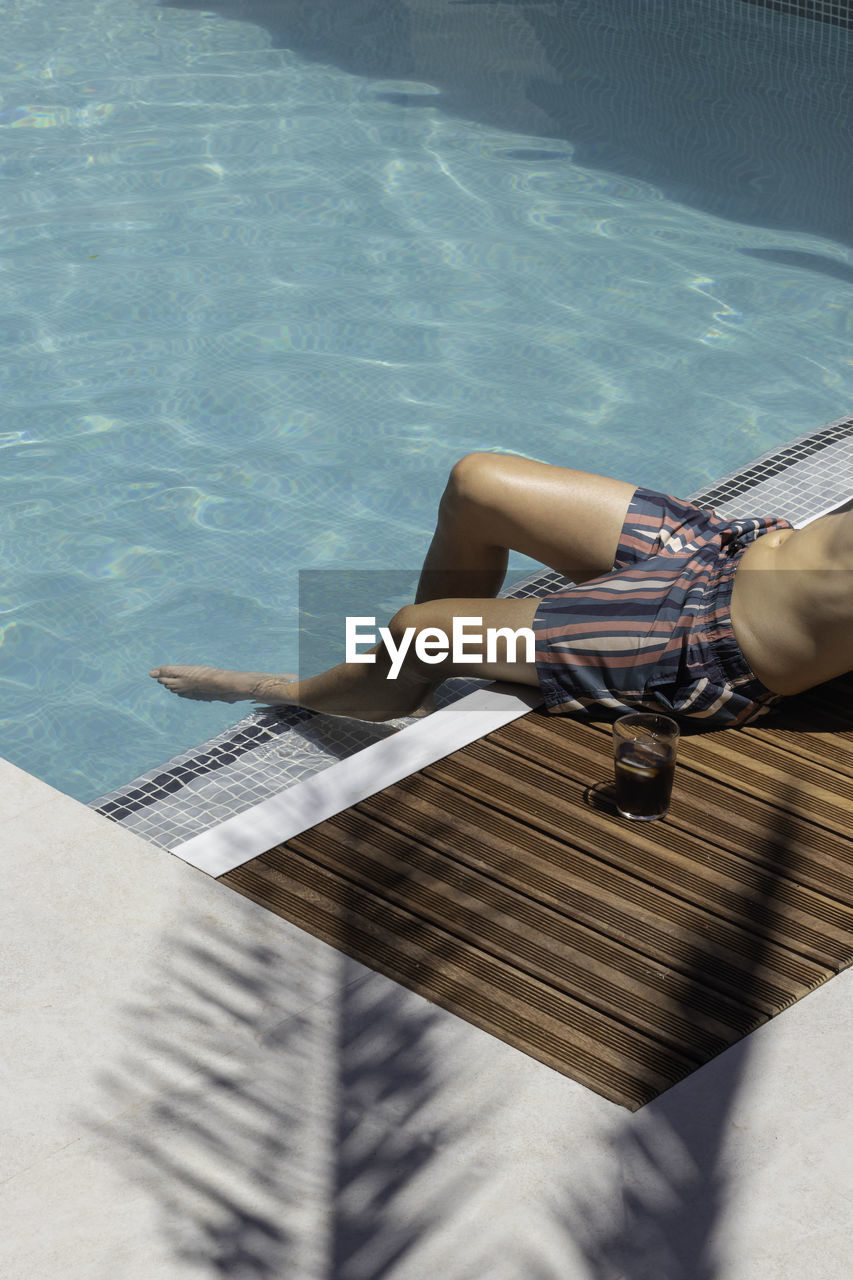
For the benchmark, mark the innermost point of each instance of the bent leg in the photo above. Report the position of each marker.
(568, 520)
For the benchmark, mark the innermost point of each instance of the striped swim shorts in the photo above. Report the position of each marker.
(655, 633)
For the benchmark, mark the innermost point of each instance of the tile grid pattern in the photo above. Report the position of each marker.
(267, 752)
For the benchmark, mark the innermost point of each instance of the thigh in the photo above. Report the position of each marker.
(508, 660)
(569, 520)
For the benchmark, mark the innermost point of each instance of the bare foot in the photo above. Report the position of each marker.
(210, 684)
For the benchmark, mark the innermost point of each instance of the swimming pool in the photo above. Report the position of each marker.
(260, 292)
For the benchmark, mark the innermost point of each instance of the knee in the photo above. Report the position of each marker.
(404, 629)
(431, 615)
(474, 479)
(410, 616)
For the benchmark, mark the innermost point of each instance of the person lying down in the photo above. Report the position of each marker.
(671, 608)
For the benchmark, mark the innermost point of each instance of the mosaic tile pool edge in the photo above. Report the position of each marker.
(267, 752)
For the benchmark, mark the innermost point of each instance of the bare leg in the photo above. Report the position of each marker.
(568, 520)
(493, 503)
(210, 684)
(364, 690)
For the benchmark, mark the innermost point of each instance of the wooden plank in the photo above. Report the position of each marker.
(535, 938)
(782, 840)
(622, 954)
(622, 907)
(676, 862)
(467, 982)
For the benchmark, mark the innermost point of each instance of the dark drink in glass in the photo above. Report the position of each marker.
(644, 765)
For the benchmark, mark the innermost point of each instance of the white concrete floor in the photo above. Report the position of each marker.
(192, 1087)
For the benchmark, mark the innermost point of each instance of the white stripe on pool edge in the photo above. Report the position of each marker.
(298, 808)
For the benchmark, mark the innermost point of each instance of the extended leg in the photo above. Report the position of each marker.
(367, 690)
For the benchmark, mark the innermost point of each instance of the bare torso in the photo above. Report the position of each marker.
(792, 604)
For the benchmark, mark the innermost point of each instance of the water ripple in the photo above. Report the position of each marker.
(254, 308)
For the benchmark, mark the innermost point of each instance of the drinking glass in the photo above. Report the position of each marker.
(644, 750)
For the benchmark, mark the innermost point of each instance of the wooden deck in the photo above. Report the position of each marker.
(498, 885)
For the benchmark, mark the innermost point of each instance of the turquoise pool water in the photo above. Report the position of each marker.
(256, 302)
